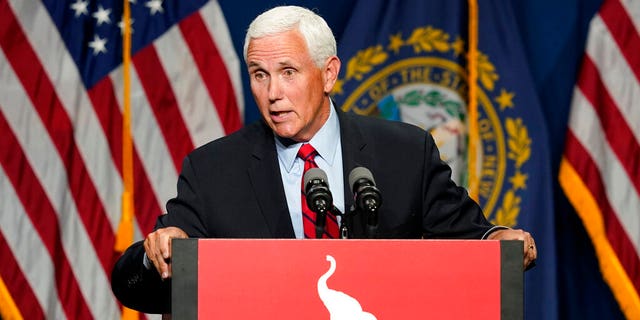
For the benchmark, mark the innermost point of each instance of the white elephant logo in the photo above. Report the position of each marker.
(341, 306)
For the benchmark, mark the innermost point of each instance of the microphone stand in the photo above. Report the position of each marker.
(344, 229)
(372, 225)
(321, 221)
(371, 228)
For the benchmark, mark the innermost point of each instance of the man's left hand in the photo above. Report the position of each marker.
(530, 249)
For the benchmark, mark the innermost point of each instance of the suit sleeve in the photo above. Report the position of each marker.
(186, 210)
(449, 211)
(140, 288)
(137, 287)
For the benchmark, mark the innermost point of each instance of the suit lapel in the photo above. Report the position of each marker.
(266, 182)
(356, 152)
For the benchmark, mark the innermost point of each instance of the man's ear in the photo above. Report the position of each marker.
(331, 70)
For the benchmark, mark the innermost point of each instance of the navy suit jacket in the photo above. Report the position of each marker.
(232, 188)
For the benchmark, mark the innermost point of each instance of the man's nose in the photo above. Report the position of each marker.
(275, 90)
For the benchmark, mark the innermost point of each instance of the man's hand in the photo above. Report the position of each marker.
(530, 249)
(157, 245)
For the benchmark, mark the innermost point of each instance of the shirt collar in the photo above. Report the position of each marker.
(324, 141)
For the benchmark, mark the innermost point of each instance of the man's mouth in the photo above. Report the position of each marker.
(278, 115)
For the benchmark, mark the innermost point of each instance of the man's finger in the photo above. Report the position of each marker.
(165, 245)
(530, 256)
(161, 266)
(162, 243)
(157, 246)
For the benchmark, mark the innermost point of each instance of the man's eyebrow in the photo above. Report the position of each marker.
(253, 64)
(286, 63)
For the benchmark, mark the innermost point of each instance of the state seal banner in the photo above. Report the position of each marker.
(408, 61)
(600, 170)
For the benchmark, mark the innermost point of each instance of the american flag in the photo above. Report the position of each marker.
(600, 170)
(61, 118)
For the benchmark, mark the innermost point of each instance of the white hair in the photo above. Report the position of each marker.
(314, 29)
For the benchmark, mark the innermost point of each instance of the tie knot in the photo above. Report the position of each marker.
(307, 152)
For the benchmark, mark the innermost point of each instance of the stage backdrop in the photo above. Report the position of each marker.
(553, 36)
(62, 110)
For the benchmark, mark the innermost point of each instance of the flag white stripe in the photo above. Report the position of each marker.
(623, 198)
(32, 257)
(633, 9)
(48, 168)
(618, 76)
(91, 142)
(148, 139)
(195, 105)
(214, 20)
(61, 70)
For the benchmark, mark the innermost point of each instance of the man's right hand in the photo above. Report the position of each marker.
(157, 245)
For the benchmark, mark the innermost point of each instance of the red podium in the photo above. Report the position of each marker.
(347, 279)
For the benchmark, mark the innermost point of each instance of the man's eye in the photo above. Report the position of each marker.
(289, 72)
(259, 75)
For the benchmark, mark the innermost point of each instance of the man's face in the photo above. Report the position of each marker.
(290, 90)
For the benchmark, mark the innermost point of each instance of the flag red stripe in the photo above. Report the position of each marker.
(41, 92)
(43, 217)
(17, 284)
(145, 204)
(105, 104)
(163, 103)
(622, 29)
(619, 135)
(620, 242)
(212, 70)
(67, 294)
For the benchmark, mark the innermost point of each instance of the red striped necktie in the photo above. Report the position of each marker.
(307, 153)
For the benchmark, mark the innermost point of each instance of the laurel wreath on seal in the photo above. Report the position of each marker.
(364, 61)
(519, 145)
(430, 39)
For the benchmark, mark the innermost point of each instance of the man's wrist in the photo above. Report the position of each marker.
(492, 230)
(146, 262)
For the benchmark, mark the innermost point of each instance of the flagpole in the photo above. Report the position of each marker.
(472, 120)
(8, 308)
(124, 236)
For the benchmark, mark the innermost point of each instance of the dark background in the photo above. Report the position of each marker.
(553, 34)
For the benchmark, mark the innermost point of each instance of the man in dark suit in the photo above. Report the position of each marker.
(247, 185)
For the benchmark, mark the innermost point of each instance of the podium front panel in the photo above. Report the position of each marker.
(347, 279)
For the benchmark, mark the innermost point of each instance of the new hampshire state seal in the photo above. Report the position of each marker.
(421, 80)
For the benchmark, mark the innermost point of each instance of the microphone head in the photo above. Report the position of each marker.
(314, 174)
(360, 173)
(316, 191)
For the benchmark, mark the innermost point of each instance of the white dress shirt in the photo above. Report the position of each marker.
(327, 143)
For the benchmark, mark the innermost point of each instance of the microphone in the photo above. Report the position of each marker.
(318, 195)
(367, 197)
